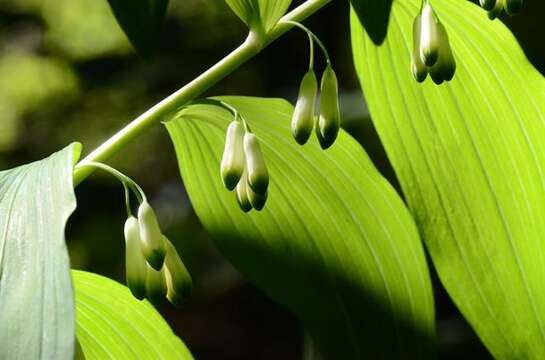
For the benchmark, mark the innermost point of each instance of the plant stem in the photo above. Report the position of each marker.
(124, 179)
(312, 36)
(251, 47)
(311, 51)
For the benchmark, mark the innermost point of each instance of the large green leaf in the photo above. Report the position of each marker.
(36, 300)
(470, 157)
(374, 15)
(141, 20)
(254, 12)
(112, 324)
(334, 244)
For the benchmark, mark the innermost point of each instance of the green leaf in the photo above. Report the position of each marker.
(259, 12)
(36, 301)
(334, 244)
(374, 15)
(470, 157)
(112, 324)
(141, 20)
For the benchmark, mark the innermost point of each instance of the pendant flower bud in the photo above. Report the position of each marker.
(151, 238)
(135, 263)
(487, 4)
(496, 10)
(329, 122)
(419, 69)
(512, 7)
(256, 200)
(256, 170)
(302, 121)
(445, 67)
(156, 288)
(177, 278)
(429, 36)
(232, 162)
(242, 194)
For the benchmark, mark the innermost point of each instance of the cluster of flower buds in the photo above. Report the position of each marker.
(495, 7)
(431, 48)
(243, 167)
(154, 268)
(329, 122)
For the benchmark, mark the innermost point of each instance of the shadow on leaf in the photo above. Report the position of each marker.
(374, 16)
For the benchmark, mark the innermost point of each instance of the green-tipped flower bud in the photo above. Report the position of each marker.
(242, 193)
(256, 200)
(487, 4)
(256, 170)
(177, 277)
(302, 121)
(429, 37)
(445, 67)
(329, 122)
(151, 237)
(512, 7)
(232, 163)
(156, 287)
(496, 10)
(420, 71)
(135, 263)
(323, 144)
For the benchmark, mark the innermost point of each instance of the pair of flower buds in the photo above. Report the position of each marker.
(329, 122)
(243, 167)
(153, 268)
(495, 7)
(431, 48)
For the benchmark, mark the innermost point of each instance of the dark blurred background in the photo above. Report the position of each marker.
(68, 73)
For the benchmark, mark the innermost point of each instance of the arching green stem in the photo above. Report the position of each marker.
(312, 36)
(124, 179)
(161, 111)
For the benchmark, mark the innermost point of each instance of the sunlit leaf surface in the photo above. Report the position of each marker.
(335, 243)
(268, 12)
(112, 324)
(470, 157)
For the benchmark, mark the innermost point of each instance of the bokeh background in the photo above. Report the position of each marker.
(68, 73)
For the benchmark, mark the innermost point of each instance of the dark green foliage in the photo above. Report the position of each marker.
(142, 21)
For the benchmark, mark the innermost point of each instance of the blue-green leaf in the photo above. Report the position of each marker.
(141, 20)
(112, 324)
(470, 157)
(259, 12)
(334, 243)
(36, 300)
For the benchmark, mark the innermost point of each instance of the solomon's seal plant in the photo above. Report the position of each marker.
(151, 239)
(243, 167)
(329, 122)
(302, 122)
(232, 162)
(303, 119)
(135, 263)
(256, 170)
(495, 7)
(336, 232)
(431, 48)
(154, 269)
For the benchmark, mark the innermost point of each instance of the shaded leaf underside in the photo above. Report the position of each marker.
(36, 300)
